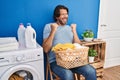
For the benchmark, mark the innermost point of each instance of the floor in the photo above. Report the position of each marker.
(112, 73)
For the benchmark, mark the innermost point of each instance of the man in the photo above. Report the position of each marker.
(60, 32)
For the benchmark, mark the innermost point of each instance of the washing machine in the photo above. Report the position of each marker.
(16, 61)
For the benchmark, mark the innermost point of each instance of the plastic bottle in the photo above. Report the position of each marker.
(30, 37)
(21, 35)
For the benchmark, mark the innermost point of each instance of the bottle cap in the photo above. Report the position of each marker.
(21, 25)
(28, 24)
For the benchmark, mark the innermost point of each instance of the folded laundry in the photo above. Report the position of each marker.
(8, 43)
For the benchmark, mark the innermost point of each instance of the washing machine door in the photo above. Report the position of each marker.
(10, 71)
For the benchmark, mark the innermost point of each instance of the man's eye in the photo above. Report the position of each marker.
(64, 14)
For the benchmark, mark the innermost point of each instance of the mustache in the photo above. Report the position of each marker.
(65, 18)
(61, 22)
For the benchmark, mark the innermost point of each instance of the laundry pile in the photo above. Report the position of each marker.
(20, 75)
(16, 77)
(66, 46)
(61, 47)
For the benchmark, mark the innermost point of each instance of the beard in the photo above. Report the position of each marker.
(62, 21)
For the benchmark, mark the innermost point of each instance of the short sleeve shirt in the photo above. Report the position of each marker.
(63, 35)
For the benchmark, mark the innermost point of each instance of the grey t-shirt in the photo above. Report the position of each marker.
(63, 35)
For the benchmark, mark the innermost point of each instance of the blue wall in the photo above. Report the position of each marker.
(39, 12)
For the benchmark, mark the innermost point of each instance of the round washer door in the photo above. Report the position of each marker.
(10, 71)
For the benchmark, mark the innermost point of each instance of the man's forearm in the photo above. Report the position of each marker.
(76, 39)
(47, 44)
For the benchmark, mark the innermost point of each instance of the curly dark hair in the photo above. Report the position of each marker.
(57, 11)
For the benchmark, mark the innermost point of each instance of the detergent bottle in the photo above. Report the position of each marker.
(21, 35)
(30, 36)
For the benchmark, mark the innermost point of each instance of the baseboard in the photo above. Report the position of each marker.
(112, 62)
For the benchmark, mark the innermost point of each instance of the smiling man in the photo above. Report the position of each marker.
(60, 32)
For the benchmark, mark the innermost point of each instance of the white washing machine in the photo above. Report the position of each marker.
(28, 60)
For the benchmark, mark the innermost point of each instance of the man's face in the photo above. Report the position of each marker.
(62, 19)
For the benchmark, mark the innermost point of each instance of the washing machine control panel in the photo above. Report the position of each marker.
(21, 56)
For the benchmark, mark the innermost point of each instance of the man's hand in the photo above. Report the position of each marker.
(76, 38)
(73, 26)
(54, 26)
(47, 43)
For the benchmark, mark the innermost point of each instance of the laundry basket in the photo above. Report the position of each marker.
(72, 58)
